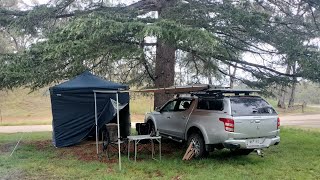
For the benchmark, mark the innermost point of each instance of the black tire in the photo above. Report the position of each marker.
(152, 129)
(198, 145)
(241, 151)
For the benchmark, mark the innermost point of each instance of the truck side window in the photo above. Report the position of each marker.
(170, 106)
(211, 104)
(184, 105)
(250, 106)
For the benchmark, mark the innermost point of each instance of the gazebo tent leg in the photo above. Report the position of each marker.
(118, 122)
(96, 122)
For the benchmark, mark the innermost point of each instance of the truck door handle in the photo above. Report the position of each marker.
(184, 117)
(168, 117)
(257, 121)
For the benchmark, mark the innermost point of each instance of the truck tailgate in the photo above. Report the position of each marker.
(255, 126)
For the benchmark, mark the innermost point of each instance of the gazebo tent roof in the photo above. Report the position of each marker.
(73, 108)
(87, 82)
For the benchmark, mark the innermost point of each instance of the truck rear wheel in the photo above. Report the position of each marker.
(198, 144)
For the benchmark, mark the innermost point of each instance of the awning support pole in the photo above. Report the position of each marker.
(96, 121)
(118, 122)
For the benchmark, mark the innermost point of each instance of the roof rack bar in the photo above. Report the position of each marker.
(198, 88)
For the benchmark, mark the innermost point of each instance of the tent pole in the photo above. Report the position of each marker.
(96, 121)
(118, 121)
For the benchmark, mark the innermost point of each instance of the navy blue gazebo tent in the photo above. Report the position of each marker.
(73, 108)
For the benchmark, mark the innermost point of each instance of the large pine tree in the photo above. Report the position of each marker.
(112, 40)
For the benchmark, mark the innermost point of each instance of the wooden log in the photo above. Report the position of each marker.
(189, 153)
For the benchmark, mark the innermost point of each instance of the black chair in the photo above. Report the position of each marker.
(143, 128)
(110, 140)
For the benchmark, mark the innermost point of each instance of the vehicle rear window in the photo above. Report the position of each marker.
(248, 106)
(211, 104)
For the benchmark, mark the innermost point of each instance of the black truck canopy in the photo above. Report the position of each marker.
(73, 108)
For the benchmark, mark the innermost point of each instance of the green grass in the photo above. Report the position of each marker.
(21, 102)
(296, 157)
(20, 107)
(307, 110)
(23, 121)
(140, 103)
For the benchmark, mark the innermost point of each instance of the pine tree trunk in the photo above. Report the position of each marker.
(164, 71)
(232, 75)
(293, 93)
(165, 63)
(282, 97)
(293, 87)
(281, 100)
(210, 79)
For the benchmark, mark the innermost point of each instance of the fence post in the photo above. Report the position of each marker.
(304, 104)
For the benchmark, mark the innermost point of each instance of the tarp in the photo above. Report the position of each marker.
(73, 111)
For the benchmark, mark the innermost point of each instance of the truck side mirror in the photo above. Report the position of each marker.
(157, 109)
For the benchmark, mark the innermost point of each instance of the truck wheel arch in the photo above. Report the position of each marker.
(153, 122)
(197, 129)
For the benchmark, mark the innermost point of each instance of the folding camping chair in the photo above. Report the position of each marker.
(145, 129)
(110, 140)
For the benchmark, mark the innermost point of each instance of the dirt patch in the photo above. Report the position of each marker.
(13, 175)
(177, 177)
(158, 173)
(153, 174)
(42, 145)
(6, 148)
(87, 151)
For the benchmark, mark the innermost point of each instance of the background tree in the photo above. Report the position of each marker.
(74, 36)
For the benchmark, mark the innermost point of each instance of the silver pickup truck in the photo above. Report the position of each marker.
(240, 123)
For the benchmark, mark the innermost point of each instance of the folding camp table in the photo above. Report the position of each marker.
(138, 138)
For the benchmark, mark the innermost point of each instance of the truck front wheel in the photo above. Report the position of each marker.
(152, 128)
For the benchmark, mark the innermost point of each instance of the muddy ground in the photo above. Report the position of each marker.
(86, 151)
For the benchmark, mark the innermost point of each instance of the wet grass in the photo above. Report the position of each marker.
(296, 157)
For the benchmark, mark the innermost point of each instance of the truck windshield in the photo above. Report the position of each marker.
(250, 106)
